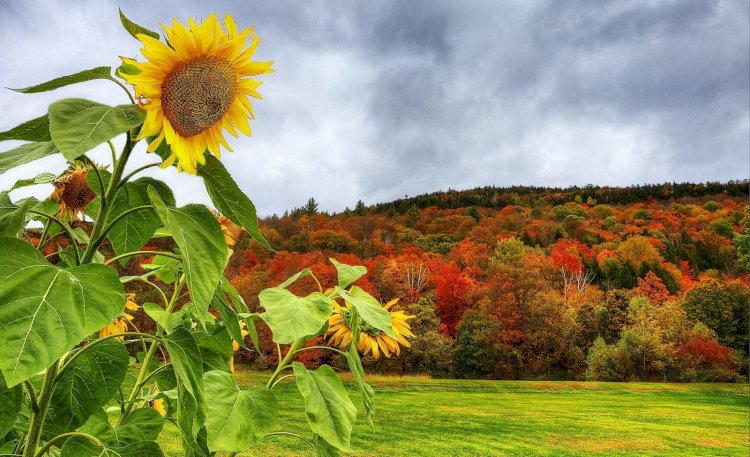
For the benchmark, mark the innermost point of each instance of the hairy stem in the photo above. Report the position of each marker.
(37, 419)
(130, 254)
(109, 196)
(143, 373)
(54, 440)
(67, 230)
(283, 363)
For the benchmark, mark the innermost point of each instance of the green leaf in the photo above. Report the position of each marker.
(241, 306)
(13, 219)
(228, 316)
(41, 178)
(25, 153)
(369, 309)
(126, 69)
(81, 76)
(323, 449)
(133, 231)
(237, 417)
(291, 317)
(188, 367)
(201, 242)
(348, 274)
(229, 199)
(10, 405)
(295, 277)
(46, 310)
(89, 384)
(78, 125)
(328, 408)
(136, 436)
(216, 348)
(358, 371)
(168, 321)
(134, 29)
(33, 130)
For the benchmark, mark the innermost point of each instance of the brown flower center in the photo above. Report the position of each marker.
(76, 193)
(197, 93)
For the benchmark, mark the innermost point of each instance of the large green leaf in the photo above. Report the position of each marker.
(237, 418)
(46, 310)
(328, 408)
(13, 219)
(135, 29)
(89, 384)
(78, 125)
(136, 436)
(291, 317)
(188, 368)
(347, 274)
(134, 230)
(10, 405)
(241, 306)
(215, 346)
(33, 130)
(81, 76)
(228, 316)
(25, 153)
(229, 199)
(369, 309)
(201, 241)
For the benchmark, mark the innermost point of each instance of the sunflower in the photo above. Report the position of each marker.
(120, 325)
(158, 406)
(195, 86)
(236, 345)
(370, 339)
(72, 191)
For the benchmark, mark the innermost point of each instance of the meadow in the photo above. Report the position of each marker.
(424, 417)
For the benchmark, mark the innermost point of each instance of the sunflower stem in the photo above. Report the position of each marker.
(96, 237)
(124, 87)
(284, 362)
(96, 170)
(67, 230)
(136, 171)
(130, 254)
(155, 344)
(37, 419)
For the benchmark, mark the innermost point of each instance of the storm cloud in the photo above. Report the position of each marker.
(377, 100)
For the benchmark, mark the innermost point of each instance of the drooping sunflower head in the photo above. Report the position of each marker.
(371, 340)
(158, 406)
(120, 325)
(195, 86)
(73, 192)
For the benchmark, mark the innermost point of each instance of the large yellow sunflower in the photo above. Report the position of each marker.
(371, 339)
(195, 86)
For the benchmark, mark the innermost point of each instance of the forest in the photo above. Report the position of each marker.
(608, 284)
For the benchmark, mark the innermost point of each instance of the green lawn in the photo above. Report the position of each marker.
(424, 417)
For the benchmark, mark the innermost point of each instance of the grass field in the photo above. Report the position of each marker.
(424, 417)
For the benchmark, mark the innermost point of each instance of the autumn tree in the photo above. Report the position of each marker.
(722, 307)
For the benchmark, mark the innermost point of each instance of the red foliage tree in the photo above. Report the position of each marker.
(452, 287)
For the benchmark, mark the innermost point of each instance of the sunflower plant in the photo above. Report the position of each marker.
(78, 378)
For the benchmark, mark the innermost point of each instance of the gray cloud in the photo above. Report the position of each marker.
(376, 100)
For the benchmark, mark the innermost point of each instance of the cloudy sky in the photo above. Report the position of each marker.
(375, 100)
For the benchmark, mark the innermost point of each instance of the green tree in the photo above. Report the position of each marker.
(431, 351)
(722, 307)
(478, 352)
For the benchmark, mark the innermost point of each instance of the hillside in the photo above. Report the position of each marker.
(543, 285)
